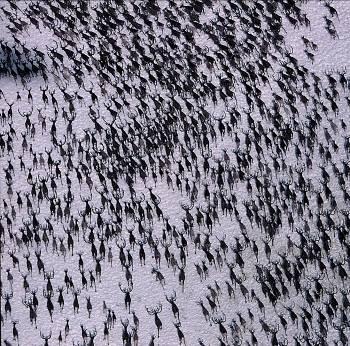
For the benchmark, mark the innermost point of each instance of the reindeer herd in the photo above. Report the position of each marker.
(174, 172)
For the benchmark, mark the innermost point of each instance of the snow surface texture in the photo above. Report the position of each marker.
(141, 90)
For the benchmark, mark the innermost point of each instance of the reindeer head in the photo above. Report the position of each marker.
(48, 294)
(126, 289)
(76, 292)
(49, 275)
(186, 206)
(27, 302)
(93, 333)
(154, 310)
(121, 243)
(7, 296)
(219, 319)
(171, 298)
(45, 337)
(124, 323)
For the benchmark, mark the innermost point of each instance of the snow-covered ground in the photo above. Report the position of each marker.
(332, 54)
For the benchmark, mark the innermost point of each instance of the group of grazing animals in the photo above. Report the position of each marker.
(174, 173)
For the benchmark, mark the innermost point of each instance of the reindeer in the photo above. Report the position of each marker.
(88, 306)
(32, 311)
(172, 299)
(220, 319)
(159, 276)
(205, 312)
(76, 293)
(7, 297)
(155, 311)
(48, 295)
(127, 298)
(15, 260)
(46, 337)
(92, 336)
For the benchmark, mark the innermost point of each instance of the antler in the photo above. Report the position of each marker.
(171, 298)
(47, 294)
(27, 302)
(122, 245)
(186, 206)
(219, 319)
(93, 333)
(46, 337)
(155, 310)
(126, 289)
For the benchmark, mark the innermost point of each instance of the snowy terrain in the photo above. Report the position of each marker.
(332, 54)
